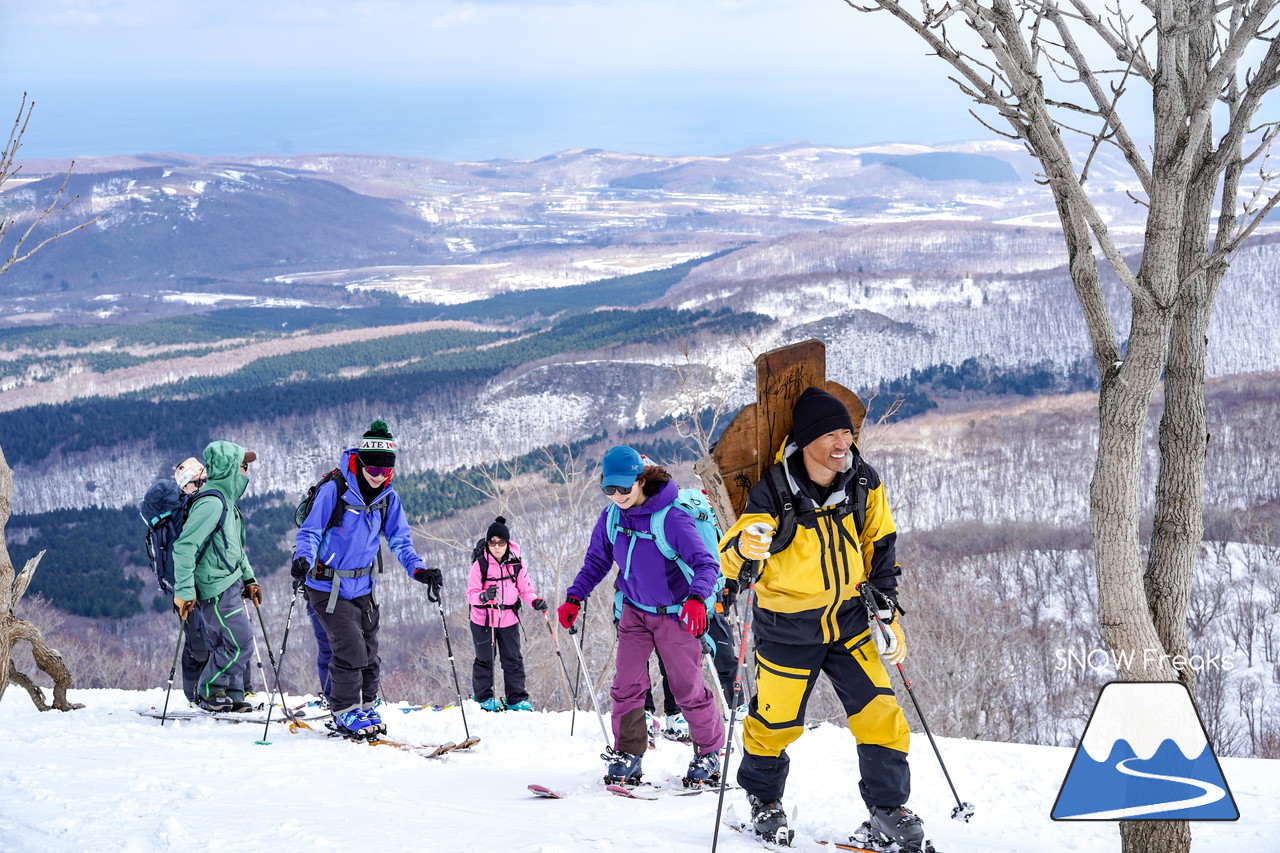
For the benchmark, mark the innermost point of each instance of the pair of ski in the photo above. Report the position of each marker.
(787, 842)
(257, 715)
(424, 750)
(643, 791)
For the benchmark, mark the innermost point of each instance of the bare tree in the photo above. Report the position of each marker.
(19, 250)
(14, 630)
(1044, 69)
(12, 585)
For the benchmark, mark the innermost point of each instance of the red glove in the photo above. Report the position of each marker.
(694, 615)
(567, 613)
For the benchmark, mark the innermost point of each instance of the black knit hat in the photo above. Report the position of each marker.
(377, 448)
(817, 413)
(499, 529)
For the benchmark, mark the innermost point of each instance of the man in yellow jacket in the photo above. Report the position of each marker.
(820, 521)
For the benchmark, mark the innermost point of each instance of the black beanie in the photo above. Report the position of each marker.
(499, 529)
(817, 413)
(377, 448)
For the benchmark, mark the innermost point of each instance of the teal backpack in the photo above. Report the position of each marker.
(692, 502)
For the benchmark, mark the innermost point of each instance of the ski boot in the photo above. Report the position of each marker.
(678, 729)
(353, 724)
(493, 703)
(769, 821)
(892, 830)
(240, 706)
(522, 705)
(216, 703)
(703, 770)
(623, 769)
(373, 719)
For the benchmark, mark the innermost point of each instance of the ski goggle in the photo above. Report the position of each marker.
(378, 472)
(617, 490)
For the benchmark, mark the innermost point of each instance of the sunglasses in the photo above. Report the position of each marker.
(617, 490)
(378, 472)
(497, 542)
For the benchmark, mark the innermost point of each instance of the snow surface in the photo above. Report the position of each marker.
(105, 779)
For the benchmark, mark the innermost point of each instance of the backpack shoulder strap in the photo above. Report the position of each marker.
(339, 505)
(785, 502)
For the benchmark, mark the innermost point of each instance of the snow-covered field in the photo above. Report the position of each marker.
(105, 779)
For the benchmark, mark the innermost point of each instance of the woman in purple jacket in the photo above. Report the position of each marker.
(661, 609)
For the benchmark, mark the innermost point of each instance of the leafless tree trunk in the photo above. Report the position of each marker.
(1034, 64)
(14, 630)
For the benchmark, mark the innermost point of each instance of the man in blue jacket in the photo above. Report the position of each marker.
(335, 562)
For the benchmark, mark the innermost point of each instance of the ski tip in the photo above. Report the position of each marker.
(545, 792)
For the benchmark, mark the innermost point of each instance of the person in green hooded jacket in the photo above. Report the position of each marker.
(211, 573)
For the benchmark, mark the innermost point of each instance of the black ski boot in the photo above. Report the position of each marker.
(769, 820)
(623, 769)
(900, 826)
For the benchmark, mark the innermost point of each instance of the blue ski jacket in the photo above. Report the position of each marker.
(353, 545)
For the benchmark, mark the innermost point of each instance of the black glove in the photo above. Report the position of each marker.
(730, 593)
(298, 571)
(433, 578)
(539, 605)
(489, 594)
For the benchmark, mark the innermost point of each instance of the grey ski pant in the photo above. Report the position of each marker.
(230, 641)
(352, 629)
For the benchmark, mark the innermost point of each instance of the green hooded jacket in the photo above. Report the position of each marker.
(223, 561)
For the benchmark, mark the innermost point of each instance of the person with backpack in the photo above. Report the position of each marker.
(820, 522)
(212, 576)
(336, 550)
(190, 477)
(666, 575)
(495, 588)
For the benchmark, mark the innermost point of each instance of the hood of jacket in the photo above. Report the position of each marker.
(222, 461)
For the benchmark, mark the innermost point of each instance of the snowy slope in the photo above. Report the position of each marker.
(104, 779)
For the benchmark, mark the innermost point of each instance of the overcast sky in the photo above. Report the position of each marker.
(467, 79)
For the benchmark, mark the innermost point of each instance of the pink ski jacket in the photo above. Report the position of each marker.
(512, 580)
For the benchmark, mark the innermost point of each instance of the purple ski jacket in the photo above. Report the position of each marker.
(653, 580)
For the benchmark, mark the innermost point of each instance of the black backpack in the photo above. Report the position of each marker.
(165, 508)
(339, 506)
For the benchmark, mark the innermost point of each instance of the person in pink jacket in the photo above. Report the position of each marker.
(499, 581)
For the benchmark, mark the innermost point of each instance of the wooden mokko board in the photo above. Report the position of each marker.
(751, 440)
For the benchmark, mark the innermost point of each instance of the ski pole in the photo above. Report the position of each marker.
(963, 810)
(493, 652)
(448, 647)
(748, 575)
(573, 717)
(595, 700)
(182, 629)
(564, 667)
(276, 670)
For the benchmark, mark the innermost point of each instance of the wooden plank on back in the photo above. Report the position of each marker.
(753, 437)
(781, 375)
(730, 471)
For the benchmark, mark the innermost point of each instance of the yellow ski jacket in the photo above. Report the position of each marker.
(807, 592)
